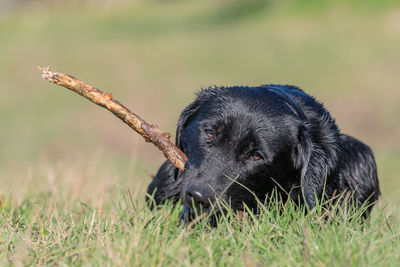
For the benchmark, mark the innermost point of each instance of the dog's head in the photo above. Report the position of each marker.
(243, 142)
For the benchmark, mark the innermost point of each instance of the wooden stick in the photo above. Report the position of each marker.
(150, 133)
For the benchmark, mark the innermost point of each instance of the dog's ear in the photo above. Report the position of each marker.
(310, 160)
(186, 117)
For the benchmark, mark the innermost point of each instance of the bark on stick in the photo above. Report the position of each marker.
(150, 132)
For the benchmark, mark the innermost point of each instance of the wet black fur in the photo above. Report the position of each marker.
(300, 144)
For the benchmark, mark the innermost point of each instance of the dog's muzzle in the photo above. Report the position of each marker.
(197, 199)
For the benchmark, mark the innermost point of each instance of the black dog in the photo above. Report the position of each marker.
(264, 138)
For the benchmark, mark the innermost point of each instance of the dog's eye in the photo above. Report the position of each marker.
(256, 156)
(210, 133)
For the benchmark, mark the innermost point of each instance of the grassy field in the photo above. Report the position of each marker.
(73, 177)
(40, 231)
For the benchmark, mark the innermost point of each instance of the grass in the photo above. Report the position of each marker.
(61, 157)
(46, 232)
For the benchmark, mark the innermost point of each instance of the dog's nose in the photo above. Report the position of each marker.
(198, 196)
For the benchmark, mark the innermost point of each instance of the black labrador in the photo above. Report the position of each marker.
(259, 139)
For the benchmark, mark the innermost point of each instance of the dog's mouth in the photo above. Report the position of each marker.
(191, 216)
(187, 215)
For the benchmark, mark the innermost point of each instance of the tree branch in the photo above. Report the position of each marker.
(150, 133)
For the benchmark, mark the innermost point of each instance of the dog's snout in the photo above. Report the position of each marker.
(198, 196)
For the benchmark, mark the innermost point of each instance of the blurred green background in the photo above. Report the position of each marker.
(153, 56)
